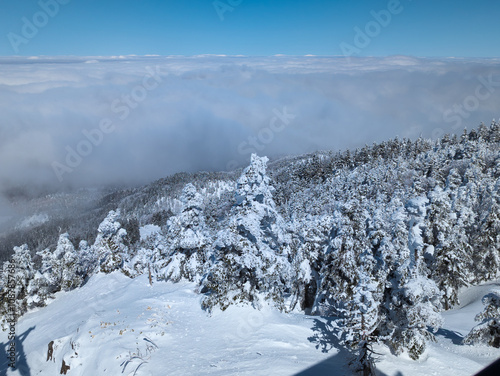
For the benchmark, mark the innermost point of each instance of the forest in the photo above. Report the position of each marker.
(380, 239)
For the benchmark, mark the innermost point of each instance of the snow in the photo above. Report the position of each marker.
(148, 231)
(109, 226)
(113, 315)
(448, 356)
(98, 328)
(461, 320)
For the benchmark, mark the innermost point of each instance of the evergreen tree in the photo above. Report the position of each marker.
(252, 251)
(419, 302)
(14, 294)
(414, 302)
(188, 239)
(361, 316)
(58, 271)
(87, 260)
(310, 242)
(487, 257)
(40, 288)
(109, 244)
(450, 263)
(147, 260)
(64, 265)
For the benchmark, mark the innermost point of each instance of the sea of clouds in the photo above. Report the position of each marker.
(85, 121)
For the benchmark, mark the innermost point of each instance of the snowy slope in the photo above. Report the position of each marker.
(111, 316)
(114, 319)
(448, 356)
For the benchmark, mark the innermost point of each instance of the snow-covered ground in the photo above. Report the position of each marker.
(115, 325)
(448, 356)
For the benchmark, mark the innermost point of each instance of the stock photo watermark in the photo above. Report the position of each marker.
(222, 7)
(32, 25)
(460, 111)
(265, 136)
(11, 313)
(372, 29)
(92, 138)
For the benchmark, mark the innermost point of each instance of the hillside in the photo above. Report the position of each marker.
(117, 318)
(380, 242)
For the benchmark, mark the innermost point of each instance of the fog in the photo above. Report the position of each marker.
(79, 122)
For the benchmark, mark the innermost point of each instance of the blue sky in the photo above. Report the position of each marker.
(252, 27)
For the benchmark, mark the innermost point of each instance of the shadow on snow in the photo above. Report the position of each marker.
(21, 363)
(325, 339)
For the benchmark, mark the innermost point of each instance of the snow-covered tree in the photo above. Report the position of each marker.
(310, 242)
(145, 261)
(42, 285)
(488, 330)
(87, 258)
(487, 257)
(464, 205)
(412, 300)
(420, 310)
(360, 316)
(339, 271)
(252, 250)
(417, 210)
(109, 244)
(188, 239)
(59, 270)
(14, 294)
(451, 260)
(382, 249)
(64, 265)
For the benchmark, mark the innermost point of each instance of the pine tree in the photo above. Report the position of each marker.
(147, 260)
(41, 287)
(310, 242)
(348, 240)
(420, 307)
(87, 260)
(417, 211)
(361, 316)
(252, 251)
(414, 302)
(14, 292)
(188, 239)
(450, 263)
(381, 248)
(64, 264)
(109, 244)
(487, 258)
(58, 271)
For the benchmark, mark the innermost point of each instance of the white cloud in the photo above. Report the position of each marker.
(205, 107)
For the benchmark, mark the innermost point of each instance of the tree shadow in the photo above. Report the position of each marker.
(4, 360)
(325, 339)
(21, 362)
(492, 370)
(455, 337)
(324, 336)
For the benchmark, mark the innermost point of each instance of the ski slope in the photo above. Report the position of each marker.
(118, 326)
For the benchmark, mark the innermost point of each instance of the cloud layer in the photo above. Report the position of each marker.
(88, 121)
